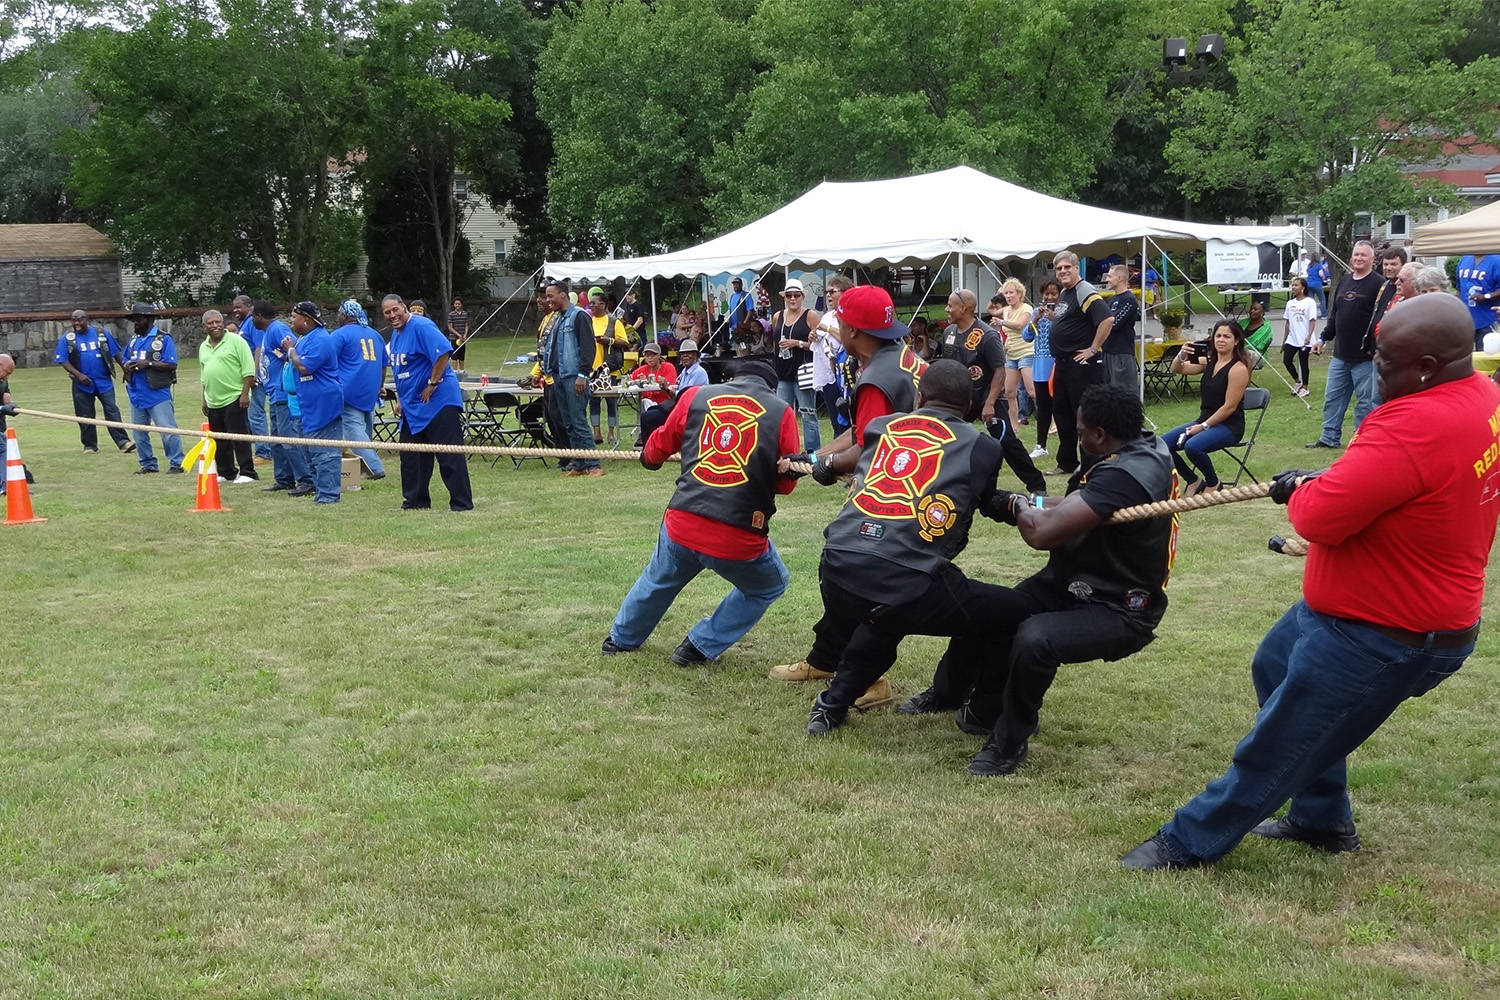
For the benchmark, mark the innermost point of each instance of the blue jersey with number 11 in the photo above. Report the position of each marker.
(361, 362)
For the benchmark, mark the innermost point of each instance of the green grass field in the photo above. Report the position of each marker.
(354, 752)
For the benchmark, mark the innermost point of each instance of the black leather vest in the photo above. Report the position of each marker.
(894, 370)
(911, 504)
(730, 445)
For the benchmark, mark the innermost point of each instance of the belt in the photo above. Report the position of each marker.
(1440, 640)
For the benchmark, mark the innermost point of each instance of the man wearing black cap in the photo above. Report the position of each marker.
(315, 355)
(887, 569)
(731, 438)
(887, 385)
(151, 369)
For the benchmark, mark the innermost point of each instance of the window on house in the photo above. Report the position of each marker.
(499, 251)
(461, 191)
(1364, 223)
(1398, 225)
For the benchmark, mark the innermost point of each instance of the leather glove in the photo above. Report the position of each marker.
(9, 409)
(1285, 484)
(653, 466)
(823, 473)
(802, 458)
(1006, 506)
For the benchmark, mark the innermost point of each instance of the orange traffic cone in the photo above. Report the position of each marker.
(17, 495)
(208, 478)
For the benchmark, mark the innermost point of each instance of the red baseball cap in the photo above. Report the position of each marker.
(869, 308)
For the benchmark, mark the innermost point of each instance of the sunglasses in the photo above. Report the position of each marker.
(794, 295)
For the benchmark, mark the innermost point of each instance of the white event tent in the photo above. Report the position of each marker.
(916, 220)
(1476, 232)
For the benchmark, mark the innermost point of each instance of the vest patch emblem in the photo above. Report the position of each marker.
(934, 515)
(727, 441)
(975, 336)
(906, 462)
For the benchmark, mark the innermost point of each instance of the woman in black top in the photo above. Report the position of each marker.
(1221, 418)
(792, 330)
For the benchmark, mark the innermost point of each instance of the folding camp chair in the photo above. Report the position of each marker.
(518, 425)
(1259, 400)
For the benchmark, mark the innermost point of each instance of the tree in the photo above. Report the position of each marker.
(43, 105)
(439, 75)
(636, 96)
(220, 132)
(1331, 103)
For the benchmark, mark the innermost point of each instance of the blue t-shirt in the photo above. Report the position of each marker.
(93, 347)
(273, 359)
(141, 349)
(414, 350)
(361, 362)
(1483, 276)
(1126, 310)
(319, 391)
(1317, 275)
(288, 384)
(252, 336)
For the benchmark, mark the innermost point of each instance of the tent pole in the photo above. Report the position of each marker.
(655, 316)
(960, 282)
(1140, 366)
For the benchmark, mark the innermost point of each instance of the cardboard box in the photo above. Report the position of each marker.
(349, 474)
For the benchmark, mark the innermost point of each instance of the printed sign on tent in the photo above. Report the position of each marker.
(1242, 263)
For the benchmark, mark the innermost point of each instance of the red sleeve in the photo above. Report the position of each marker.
(869, 403)
(666, 441)
(1376, 474)
(788, 444)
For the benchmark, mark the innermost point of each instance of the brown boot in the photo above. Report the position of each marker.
(877, 695)
(796, 673)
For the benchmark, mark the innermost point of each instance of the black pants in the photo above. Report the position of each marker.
(1069, 381)
(1005, 679)
(1043, 416)
(416, 467)
(1289, 354)
(1013, 450)
(652, 418)
(83, 406)
(234, 458)
(857, 638)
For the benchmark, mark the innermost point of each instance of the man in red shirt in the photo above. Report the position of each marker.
(732, 438)
(1399, 533)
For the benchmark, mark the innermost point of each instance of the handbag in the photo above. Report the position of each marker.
(614, 354)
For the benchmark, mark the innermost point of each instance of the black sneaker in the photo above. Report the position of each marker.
(176, 470)
(1320, 443)
(992, 763)
(127, 447)
(610, 649)
(925, 703)
(274, 488)
(686, 654)
(1328, 841)
(824, 718)
(301, 491)
(966, 720)
(147, 472)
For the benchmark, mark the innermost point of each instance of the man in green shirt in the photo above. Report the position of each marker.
(228, 375)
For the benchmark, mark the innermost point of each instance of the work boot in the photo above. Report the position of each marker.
(796, 673)
(926, 702)
(877, 695)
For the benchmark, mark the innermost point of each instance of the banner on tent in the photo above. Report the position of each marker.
(1242, 262)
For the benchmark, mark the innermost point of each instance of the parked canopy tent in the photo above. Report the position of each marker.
(1476, 232)
(916, 220)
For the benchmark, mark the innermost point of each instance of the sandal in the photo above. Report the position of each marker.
(1192, 489)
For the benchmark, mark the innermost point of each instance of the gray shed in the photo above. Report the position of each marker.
(57, 268)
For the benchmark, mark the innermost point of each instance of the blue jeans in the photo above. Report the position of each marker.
(612, 407)
(162, 416)
(757, 582)
(1197, 448)
(806, 402)
(290, 465)
(83, 406)
(1346, 378)
(325, 461)
(359, 425)
(259, 424)
(571, 413)
(1324, 685)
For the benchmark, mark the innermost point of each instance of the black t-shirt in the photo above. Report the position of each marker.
(1349, 312)
(4, 388)
(634, 312)
(978, 349)
(1126, 311)
(1075, 320)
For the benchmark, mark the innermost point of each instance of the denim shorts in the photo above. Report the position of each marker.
(1017, 364)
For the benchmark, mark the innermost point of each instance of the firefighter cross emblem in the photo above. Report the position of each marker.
(906, 463)
(727, 441)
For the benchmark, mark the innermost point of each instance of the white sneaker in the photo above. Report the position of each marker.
(1038, 451)
(222, 479)
(242, 480)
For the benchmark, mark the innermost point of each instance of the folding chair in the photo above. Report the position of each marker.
(1259, 400)
(529, 429)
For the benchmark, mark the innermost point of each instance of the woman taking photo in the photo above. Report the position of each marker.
(1221, 418)
(1014, 320)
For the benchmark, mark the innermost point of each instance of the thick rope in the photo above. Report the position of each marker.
(1202, 501)
(439, 449)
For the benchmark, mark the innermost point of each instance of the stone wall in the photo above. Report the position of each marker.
(31, 341)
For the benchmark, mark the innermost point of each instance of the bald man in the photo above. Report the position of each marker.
(7, 366)
(1399, 533)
